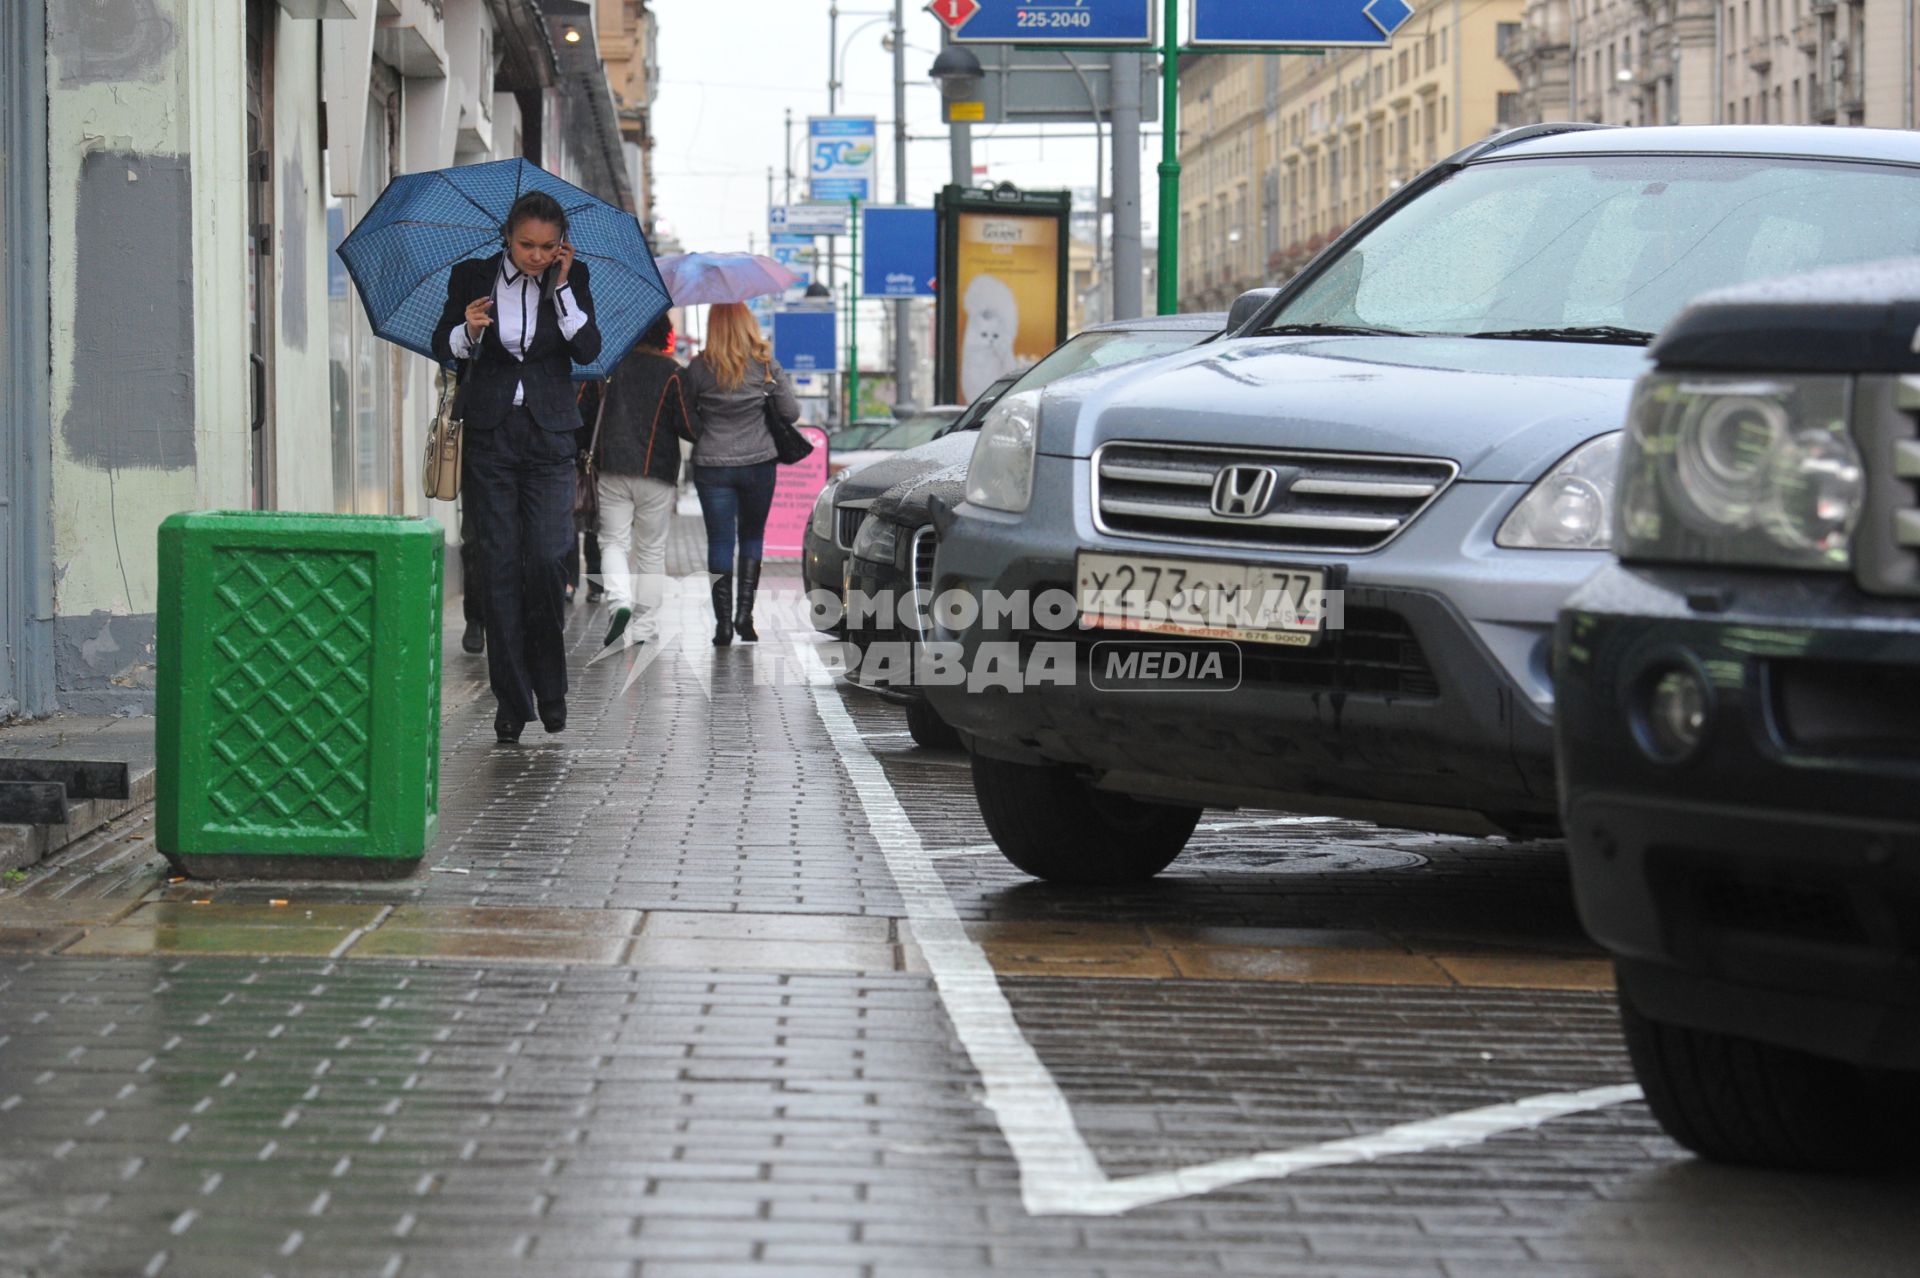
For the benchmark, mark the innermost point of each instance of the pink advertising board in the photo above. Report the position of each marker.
(793, 497)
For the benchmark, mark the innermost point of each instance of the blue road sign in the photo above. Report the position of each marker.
(1077, 22)
(1298, 23)
(842, 150)
(898, 249)
(803, 341)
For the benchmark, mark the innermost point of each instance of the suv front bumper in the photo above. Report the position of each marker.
(1768, 885)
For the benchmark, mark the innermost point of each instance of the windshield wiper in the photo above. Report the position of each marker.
(1612, 333)
(1334, 330)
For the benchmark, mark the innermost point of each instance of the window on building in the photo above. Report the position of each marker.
(1506, 37)
(1506, 110)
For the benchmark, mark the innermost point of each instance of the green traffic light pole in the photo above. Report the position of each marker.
(1168, 271)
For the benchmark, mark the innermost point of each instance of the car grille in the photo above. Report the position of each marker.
(925, 542)
(1375, 652)
(1344, 503)
(846, 525)
(1886, 550)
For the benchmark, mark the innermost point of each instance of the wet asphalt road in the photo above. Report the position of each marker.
(728, 980)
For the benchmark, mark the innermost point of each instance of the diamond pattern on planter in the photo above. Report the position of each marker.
(293, 703)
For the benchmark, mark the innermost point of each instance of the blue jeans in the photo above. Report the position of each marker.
(730, 497)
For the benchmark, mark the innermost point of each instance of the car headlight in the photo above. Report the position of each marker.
(1571, 508)
(1736, 471)
(1000, 476)
(823, 508)
(878, 540)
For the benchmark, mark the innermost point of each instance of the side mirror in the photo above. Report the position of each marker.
(1247, 305)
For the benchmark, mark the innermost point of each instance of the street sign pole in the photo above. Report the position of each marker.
(1168, 272)
(853, 304)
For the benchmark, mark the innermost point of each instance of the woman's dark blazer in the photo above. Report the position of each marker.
(486, 386)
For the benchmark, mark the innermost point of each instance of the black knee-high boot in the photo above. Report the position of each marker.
(722, 609)
(743, 610)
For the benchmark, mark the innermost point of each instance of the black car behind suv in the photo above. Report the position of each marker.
(1739, 724)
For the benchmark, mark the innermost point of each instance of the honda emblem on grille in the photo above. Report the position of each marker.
(1244, 492)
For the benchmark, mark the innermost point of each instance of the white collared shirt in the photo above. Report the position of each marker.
(516, 313)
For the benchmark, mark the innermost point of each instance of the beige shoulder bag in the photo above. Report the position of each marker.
(445, 443)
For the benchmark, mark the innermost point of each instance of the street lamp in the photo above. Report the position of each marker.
(958, 73)
(834, 83)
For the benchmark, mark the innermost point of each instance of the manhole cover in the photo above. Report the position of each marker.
(1295, 855)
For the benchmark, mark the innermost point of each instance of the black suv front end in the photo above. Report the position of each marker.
(1738, 722)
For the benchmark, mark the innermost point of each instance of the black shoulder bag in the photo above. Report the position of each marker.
(789, 445)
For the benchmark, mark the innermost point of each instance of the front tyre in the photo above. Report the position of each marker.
(1737, 1100)
(928, 730)
(1052, 824)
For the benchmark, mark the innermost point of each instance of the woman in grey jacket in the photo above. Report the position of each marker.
(734, 461)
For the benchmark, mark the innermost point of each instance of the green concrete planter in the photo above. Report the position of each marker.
(298, 716)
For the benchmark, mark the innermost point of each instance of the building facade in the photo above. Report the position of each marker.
(177, 175)
(1847, 62)
(1279, 153)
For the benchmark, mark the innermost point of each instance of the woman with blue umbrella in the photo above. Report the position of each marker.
(521, 319)
(487, 265)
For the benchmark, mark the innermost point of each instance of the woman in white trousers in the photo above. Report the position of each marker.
(639, 470)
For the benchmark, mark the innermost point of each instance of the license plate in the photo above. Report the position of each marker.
(1253, 603)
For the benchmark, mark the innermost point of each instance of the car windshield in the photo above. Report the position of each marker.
(1105, 349)
(983, 403)
(912, 432)
(1613, 246)
(859, 434)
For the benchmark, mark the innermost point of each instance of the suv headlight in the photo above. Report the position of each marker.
(1738, 471)
(1000, 476)
(1571, 508)
(823, 508)
(877, 541)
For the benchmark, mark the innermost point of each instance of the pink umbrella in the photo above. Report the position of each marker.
(694, 279)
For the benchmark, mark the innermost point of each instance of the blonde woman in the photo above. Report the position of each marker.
(729, 385)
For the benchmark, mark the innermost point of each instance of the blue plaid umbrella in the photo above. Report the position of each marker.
(423, 223)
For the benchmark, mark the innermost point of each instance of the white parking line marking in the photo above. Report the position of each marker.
(1059, 1173)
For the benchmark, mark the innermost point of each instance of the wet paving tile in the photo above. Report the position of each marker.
(1319, 967)
(761, 955)
(398, 942)
(466, 918)
(36, 940)
(1528, 971)
(211, 937)
(767, 927)
(1077, 959)
(41, 911)
(291, 913)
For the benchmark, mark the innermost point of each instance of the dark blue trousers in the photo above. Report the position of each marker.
(520, 490)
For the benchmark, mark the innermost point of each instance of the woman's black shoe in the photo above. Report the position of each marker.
(723, 610)
(743, 610)
(595, 592)
(474, 638)
(553, 715)
(506, 731)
